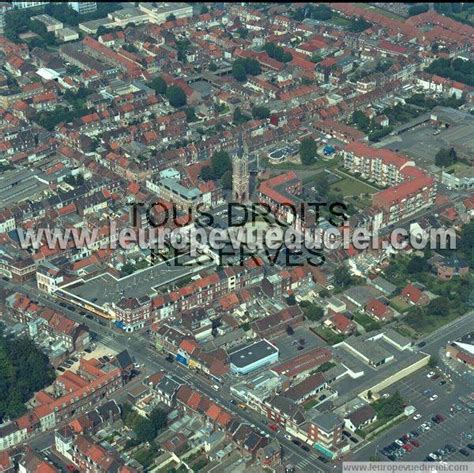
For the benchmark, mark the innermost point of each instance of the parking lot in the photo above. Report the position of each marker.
(419, 144)
(431, 396)
(99, 351)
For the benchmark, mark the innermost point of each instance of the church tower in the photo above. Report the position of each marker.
(240, 173)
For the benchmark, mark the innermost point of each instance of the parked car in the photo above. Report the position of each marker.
(415, 443)
(417, 416)
(470, 446)
(434, 397)
(449, 448)
(430, 374)
(464, 452)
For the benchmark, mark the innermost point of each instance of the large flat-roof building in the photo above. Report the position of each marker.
(369, 350)
(160, 12)
(462, 350)
(83, 8)
(19, 185)
(254, 356)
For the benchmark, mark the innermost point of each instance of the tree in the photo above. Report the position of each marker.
(291, 300)
(24, 370)
(171, 17)
(433, 362)
(206, 173)
(239, 117)
(466, 242)
(238, 72)
(204, 10)
(243, 66)
(445, 157)
(314, 312)
(357, 25)
(242, 32)
(220, 164)
(324, 293)
(289, 330)
(252, 66)
(131, 48)
(390, 407)
(360, 120)
(176, 96)
(321, 185)
(226, 179)
(144, 430)
(158, 418)
(308, 151)
(438, 306)
(277, 52)
(455, 69)
(190, 115)
(158, 84)
(417, 264)
(369, 394)
(182, 46)
(212, 67)
(260, 113)
(417, 9)
(342, 277)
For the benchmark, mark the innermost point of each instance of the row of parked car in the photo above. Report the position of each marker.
(400, 447)
(409, 441)
(443, 453)
(68, 363)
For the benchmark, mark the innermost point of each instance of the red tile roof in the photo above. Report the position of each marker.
(412, 293)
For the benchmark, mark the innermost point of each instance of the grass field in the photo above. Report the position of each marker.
(367, 322)
(349, 187)
(399, 304)
(458, 167)
(318, 164)
(386, 13)
(339, 20)
(308, 405)
(328, 335)
(429, 323)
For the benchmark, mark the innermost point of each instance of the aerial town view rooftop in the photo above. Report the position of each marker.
(236, 237)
